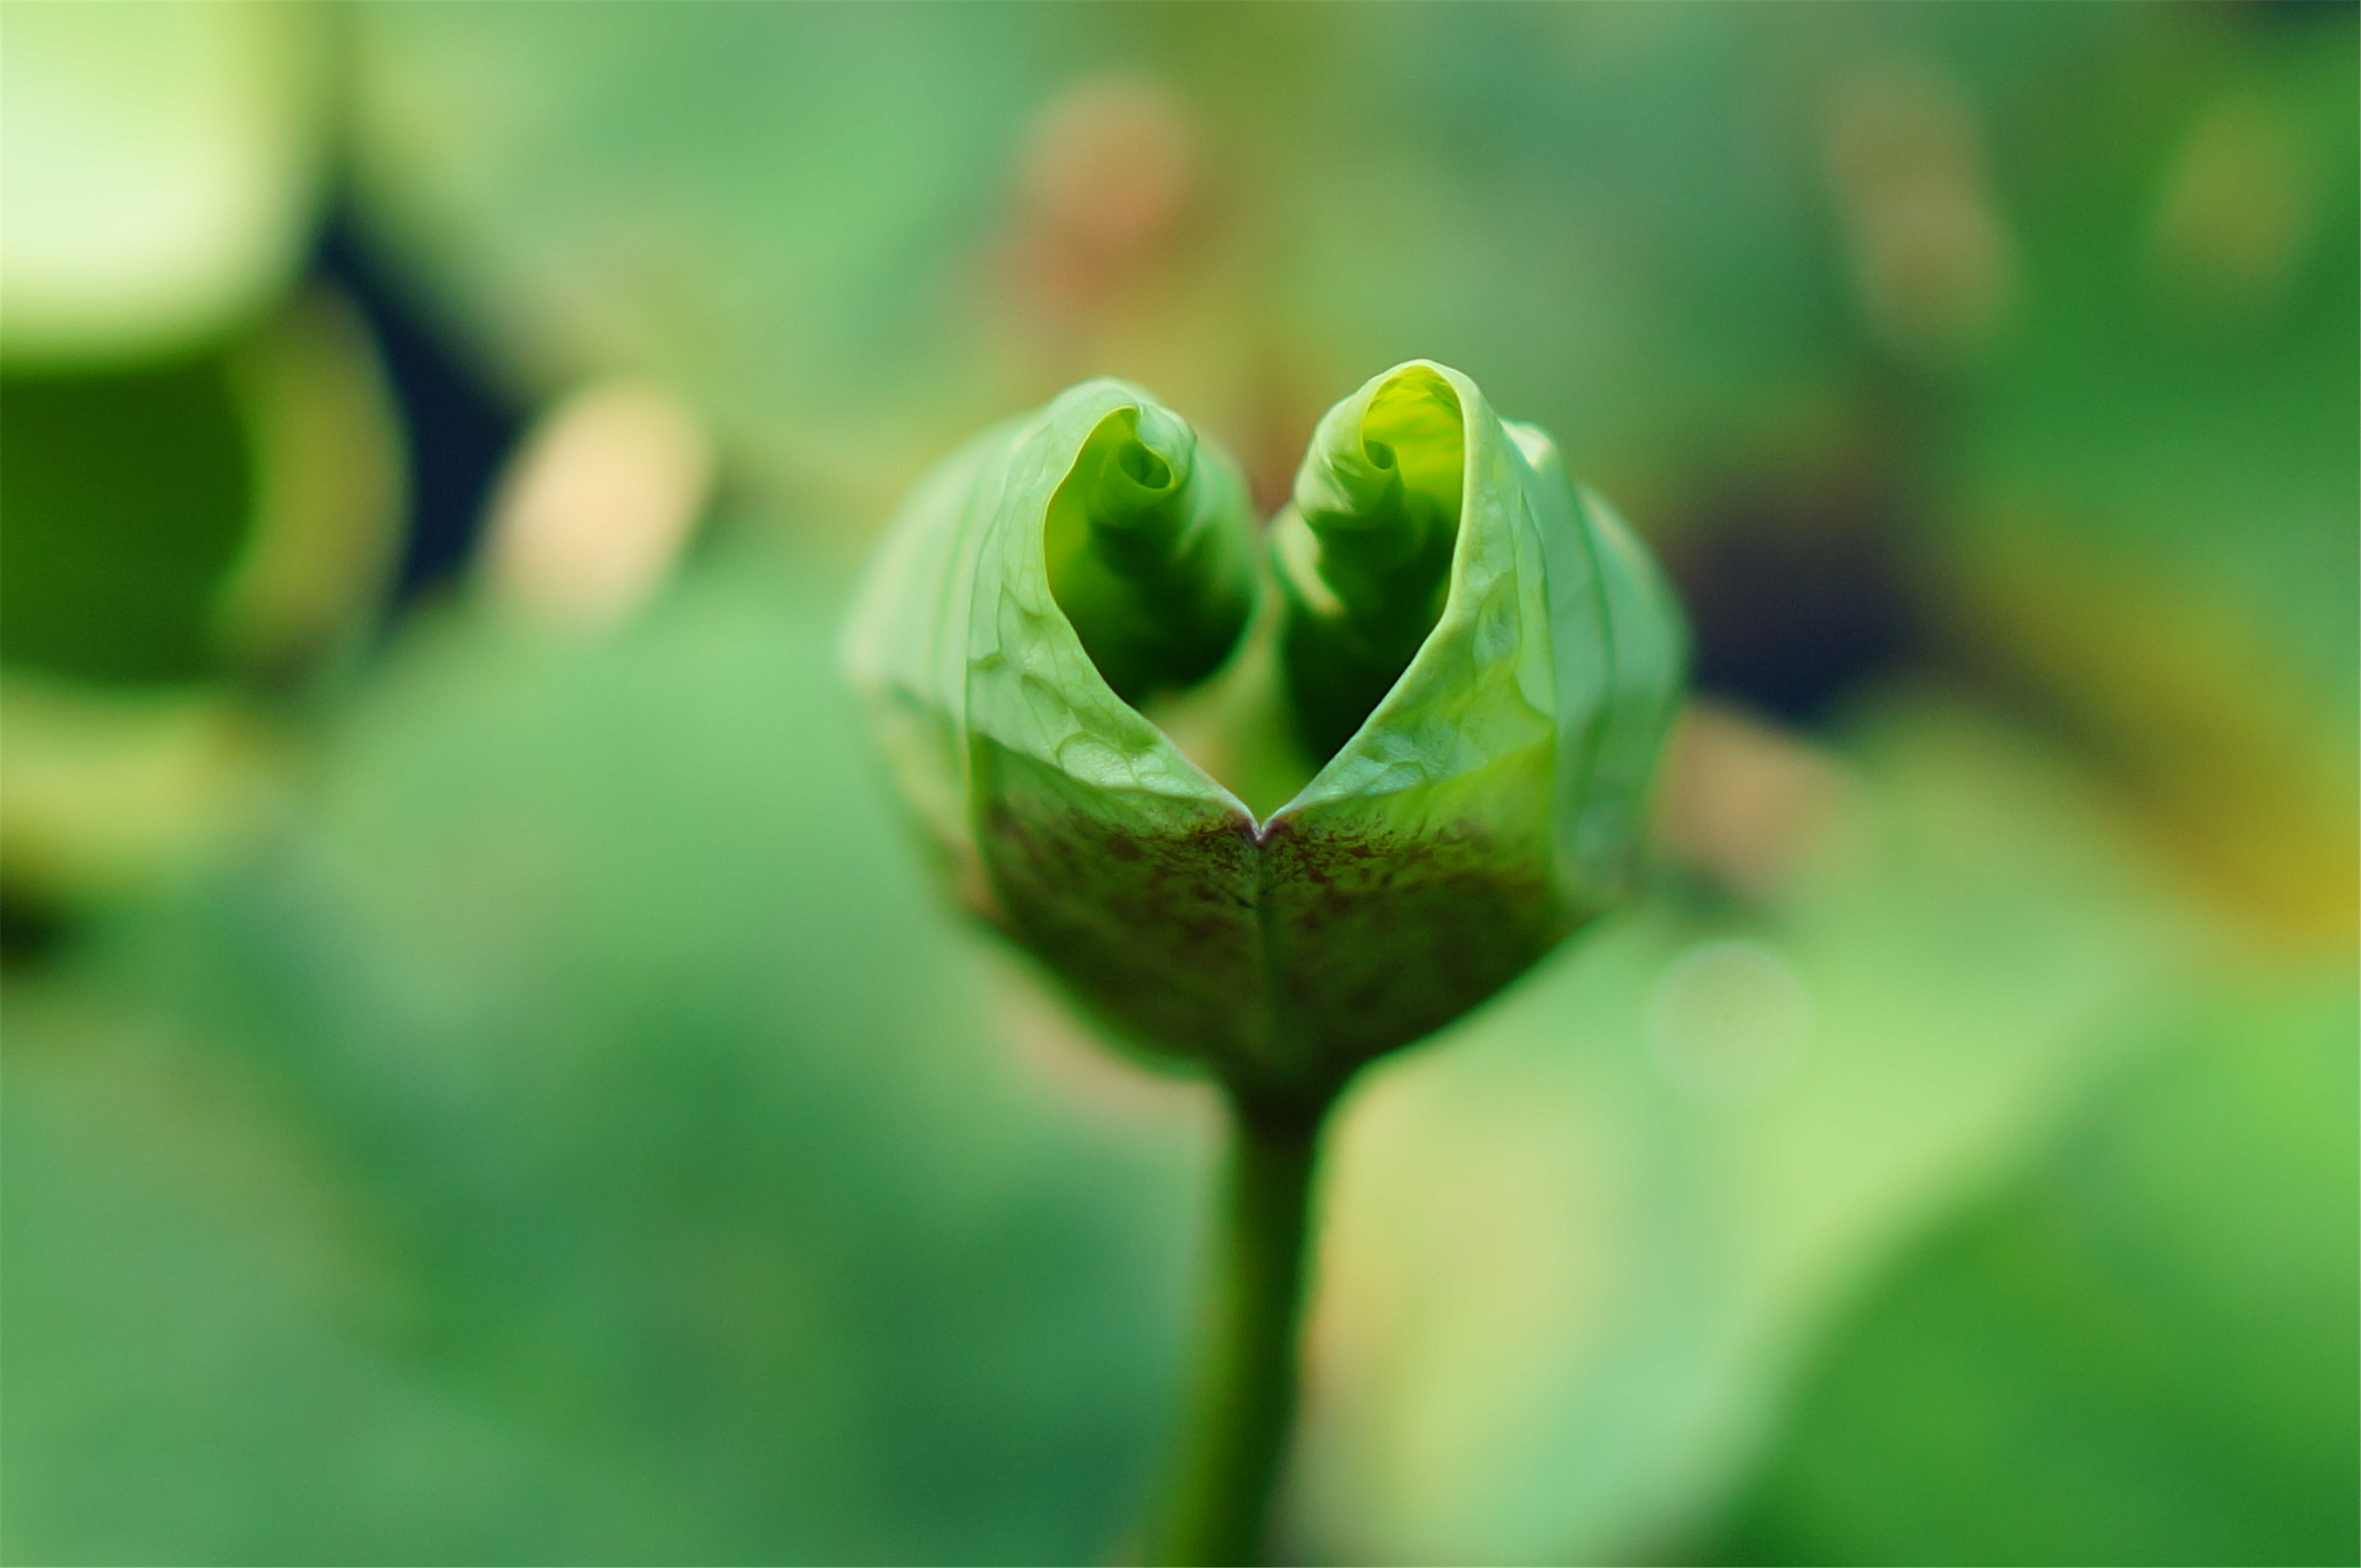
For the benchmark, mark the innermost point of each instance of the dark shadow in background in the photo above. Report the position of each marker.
(459, 430)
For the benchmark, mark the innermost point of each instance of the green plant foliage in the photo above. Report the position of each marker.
(163, 167)
(2148, 498)
(820, 183)
(2143, 1350)
(1613, 220)
(572, 1138)
(1489, 803)
(2125, 404)
(128, 496)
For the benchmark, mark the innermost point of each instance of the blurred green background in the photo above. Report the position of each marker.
(485, 1081)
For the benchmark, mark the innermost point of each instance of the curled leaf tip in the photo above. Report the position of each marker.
(1153, 569)
(1364, 553)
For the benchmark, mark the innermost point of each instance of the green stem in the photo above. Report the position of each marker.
(1218, 1508)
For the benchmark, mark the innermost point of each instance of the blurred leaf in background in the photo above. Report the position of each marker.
(162, 167)
(2147, 504)
(2148, 1343)
(128, 497)
(198, 465)
(576, 1138)
(787, 211)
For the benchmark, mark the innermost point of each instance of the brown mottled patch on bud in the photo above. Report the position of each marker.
(1152, 926)
(1385, 938)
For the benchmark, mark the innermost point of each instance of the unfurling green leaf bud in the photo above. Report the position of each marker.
(1154, 567)
(1364, 553)
(1477, 659)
